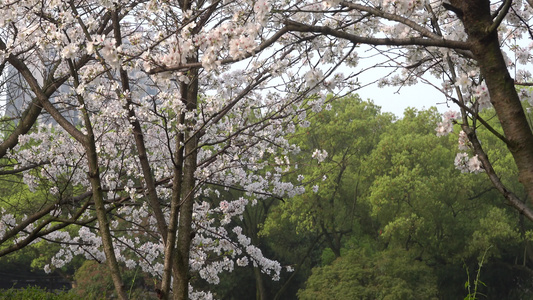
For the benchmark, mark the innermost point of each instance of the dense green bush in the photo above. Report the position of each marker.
(36, 293)
(93, 281)
(360, 274)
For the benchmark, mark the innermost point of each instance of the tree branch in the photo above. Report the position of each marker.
(412, 41)
(503, 12)
(508, 195)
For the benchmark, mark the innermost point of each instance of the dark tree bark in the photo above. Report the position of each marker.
(485, 46)
(189, 93)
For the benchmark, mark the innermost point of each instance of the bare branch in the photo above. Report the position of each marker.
(501, 15)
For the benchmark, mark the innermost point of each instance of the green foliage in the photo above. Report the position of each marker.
(93, 281)
(426, 213)
(495, 228)
(472, 287)
(327, 257)
(392, 219)
(310, 229)
(348, 133)
(422, 202)
(360, 274)
(36, 293)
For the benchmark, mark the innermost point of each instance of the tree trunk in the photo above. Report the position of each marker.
(251, 225)
(103, 222)
(485, 46)
(170, 246)
(168, 234)
(260, 291)
(189, 93)
(89, 143)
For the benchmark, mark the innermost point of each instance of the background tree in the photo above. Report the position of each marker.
(339, 138)
(160, 114)
(361, 274)
(465, 44)
(429, 221)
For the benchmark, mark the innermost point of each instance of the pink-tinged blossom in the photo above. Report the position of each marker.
(111, 53)
(319, 155)
(313, 77)
(523, 75)
(199, 295)
(331, 3)
(446, 126)
(7, 221)
(242, 262)
(231, 209)
(526, 95)
(261, 9)
(239, 47)
(522, 55)
(463, 81)
(69, 51)
(481, 94)
(467, 164)
(461, 162)
(464, 143)
(447, 87)
(451, 115)
(289, 268)
(474, 165)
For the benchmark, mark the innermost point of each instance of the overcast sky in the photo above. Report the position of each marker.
(391, 99)
(419, 96)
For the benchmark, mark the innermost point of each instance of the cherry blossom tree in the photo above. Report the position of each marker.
(171, 100)
(176, 99)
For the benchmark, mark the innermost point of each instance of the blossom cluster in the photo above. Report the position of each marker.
(463, 161)
(319, 155)
(446, 125)
(467, 164)
(249, 99)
